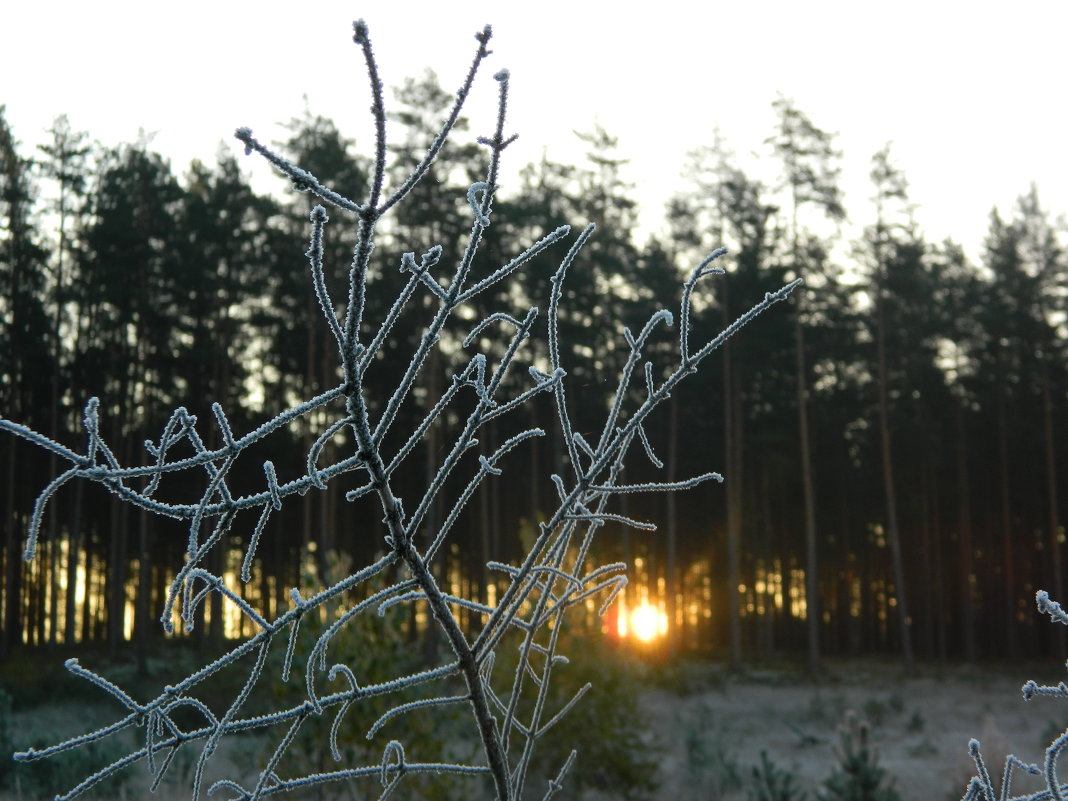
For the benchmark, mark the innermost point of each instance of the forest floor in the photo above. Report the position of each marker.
(708, 729)
(919, 727)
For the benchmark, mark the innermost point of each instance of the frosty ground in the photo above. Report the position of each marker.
(920, 727)
(709, 728)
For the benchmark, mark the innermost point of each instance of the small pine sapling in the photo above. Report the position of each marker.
(557, 574)
(768, 782)
(858, 776)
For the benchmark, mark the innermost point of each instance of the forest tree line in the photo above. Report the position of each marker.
(891, 438)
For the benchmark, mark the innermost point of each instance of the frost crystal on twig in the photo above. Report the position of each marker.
(556, 574)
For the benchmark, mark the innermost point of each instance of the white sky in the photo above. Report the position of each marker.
(972, 94)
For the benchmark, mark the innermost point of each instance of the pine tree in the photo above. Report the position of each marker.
(65, 164)
(858, 776)
(890, 187)
(25, 360)
(1047, 260)
(809, 178)
(721, 203)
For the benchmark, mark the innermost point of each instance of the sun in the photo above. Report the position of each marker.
(644, 622)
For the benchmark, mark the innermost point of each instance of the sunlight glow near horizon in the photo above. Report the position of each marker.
(969, 94)
(644, 622)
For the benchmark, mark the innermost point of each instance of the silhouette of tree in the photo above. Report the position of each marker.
(809, 178)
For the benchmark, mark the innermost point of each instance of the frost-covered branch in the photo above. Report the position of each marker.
(557, 574)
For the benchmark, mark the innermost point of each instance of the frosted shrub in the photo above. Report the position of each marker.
(557, 574)
(981, 785)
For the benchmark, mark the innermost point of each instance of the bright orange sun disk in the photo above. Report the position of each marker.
(644, 621)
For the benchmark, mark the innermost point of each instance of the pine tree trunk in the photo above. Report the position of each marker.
(73, 544)
(438, 567)
(327, 572)
(775, 564)
(116, 589)
(732, 478)
(964, 534)
(53, 532)
(1054, 516)
(892, 530)
(54, 554)
(939, 597)
(44, 571)
(535, 469)
(144, 591)
(924, 594)
(1007, 554)
(812, 611)
(217, 565)
(87, 609)
(12, 563)
(29, 603)
(484, 522)
(671, 574)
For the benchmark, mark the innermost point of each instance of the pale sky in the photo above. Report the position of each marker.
(972, 94)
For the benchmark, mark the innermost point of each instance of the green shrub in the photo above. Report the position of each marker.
(439, 733)
(770, 783)
(616, 754)
(858, 776)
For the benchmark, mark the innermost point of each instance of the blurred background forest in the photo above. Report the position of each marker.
(891, 438)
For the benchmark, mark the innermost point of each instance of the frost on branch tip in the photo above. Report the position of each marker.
(359, 32)
(348, 432)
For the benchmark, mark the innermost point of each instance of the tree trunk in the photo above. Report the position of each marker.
(87, 609)
(54, 561)
(438, 567)
(924, 596)
(42, 578)
(733, 479)
(484, 522)
(217, 565)
(1007, 555)
(13, 562)
(30, 582)
(671, 583)
(53, 533)
(812, 611)
(1054, 516)
(964, 535)
(939, 598)
(892, 530)
(73, 544)
(116, 604)
(142, 621)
